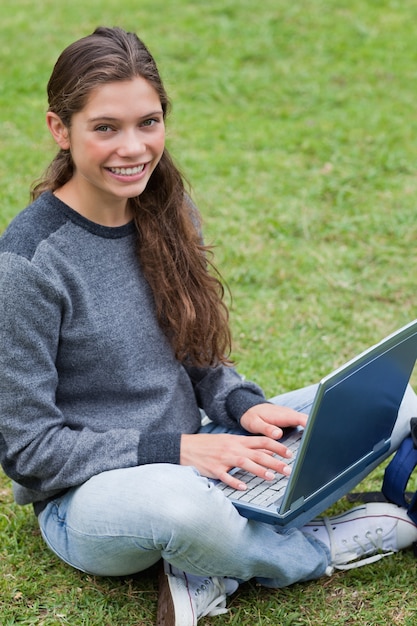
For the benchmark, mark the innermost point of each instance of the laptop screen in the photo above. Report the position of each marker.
(352, 418)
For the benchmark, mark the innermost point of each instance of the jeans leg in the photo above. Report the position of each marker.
(123, 521)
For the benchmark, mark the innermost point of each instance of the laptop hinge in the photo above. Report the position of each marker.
(297, 504)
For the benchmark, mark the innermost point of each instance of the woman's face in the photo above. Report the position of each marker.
(116, 141)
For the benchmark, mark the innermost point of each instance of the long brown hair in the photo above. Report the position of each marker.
(188, 297)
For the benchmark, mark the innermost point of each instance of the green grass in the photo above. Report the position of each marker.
(296, 124)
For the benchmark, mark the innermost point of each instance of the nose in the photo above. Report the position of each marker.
(131, 143)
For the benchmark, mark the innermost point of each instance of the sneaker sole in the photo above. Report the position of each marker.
(166, 610)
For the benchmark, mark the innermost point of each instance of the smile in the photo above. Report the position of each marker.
(126, 171)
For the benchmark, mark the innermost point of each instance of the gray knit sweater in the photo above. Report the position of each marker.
(88, 382)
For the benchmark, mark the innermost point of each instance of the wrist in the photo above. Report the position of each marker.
(240, 400)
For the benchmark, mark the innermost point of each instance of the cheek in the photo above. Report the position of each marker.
(160, 141)
(93, 151)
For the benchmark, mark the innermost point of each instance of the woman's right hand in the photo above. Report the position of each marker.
(214, 455)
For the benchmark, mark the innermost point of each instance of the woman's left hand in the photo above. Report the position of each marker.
(269, 420)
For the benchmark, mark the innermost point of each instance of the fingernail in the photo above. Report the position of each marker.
(277, 433)
(288, 454)
(269, 475)
(287, 470)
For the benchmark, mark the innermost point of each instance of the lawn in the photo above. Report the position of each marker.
(296, 124)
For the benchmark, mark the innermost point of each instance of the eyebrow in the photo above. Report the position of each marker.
(109, 118)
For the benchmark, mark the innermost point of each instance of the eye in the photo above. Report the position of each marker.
(150, 122)
(103, 128)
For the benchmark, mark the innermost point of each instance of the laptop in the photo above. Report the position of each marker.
(347, 435)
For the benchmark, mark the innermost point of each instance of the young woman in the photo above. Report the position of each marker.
(115, 337)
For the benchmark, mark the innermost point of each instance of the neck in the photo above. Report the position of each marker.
(110, 214)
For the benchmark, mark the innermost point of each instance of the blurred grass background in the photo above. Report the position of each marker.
(296, 126)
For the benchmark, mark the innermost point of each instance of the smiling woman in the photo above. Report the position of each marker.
(116, 141)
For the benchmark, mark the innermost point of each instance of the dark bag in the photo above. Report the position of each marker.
(398, 472)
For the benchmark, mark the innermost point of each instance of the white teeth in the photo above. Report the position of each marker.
(127, 171)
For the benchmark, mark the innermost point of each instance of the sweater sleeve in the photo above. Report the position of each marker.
(38, 449)
(224, 394)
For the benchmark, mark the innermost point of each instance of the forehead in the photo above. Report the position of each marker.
(136, 96)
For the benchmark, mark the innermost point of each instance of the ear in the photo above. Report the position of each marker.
(58, 130)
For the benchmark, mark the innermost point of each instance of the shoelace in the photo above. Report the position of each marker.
(377, 542)
(218, 605)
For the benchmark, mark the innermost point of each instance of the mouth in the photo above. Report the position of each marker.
(127, 171)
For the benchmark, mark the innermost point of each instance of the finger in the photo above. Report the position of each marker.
(270, 446)
(270, 419)
(290, 417)
(269, 430)
(265, 425)
(296, 419)
(265, 466)
(240, 485)
(231, 481)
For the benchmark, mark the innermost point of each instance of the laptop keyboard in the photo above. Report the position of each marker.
(260, 491)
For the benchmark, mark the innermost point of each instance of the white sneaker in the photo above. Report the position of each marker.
(184, 598)
(364, 534)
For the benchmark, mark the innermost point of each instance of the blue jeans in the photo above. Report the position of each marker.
(123, 521)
